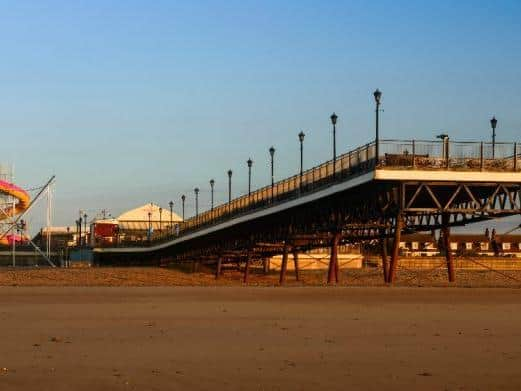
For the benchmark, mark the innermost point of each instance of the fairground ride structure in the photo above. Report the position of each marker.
(20, 203)
(16, 203)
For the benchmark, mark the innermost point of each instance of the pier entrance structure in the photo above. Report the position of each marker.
(411, 186)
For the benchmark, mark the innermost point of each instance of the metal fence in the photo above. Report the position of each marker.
(449, 155)
(393, 154)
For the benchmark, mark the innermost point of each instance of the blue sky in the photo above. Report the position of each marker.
(130, 102)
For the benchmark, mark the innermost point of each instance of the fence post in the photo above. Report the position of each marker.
(481, 156)
(413, 154)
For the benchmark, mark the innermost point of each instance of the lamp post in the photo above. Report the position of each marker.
(493, 124)
(149, 226)
(334, 118)
(183, 198)
(230, 186)
(80, 222)
(196, 191)
(272, 154)
(250, 163)
(301, 136)
(23, 227)
(377, 97)
(445, 138)
(85, 226)
(160, 222)
(171, 205)
(212, 184)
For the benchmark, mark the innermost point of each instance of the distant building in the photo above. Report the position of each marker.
(471, 244)
(61, 237)
(415, 245)
(144, 223)
(509, 245)
(418, 244)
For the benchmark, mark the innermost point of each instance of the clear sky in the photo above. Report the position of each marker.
(130, 102)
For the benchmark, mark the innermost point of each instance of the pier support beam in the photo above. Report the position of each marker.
(218, 268)
(396, 249)
(385, 266)
(295, 262)
(284, 265)
(265, 265)
(446, 242)
(247, 268)
(332, 273)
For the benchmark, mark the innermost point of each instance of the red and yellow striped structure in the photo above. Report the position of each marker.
(19, 194)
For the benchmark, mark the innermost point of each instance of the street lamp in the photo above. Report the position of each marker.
(80, 223)
(212, 184)
(229, 186)
(183, 198)
(160, 222)
(301, 136)
(196, 191)
(78, 232)
(377, 97)
(171, 205)
(85, 225)
(493, 124)
(445, 138)
(149, 226)
(250, 163)
(334, 117)
(272, 154)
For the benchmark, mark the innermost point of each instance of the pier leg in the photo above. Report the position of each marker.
(247, 268)
(295, 261)
(337, 267)
(446, 242)
(266, 265)
(383, 247)
(218, 269)
(332, 274)
(396, 249)
(284, 265)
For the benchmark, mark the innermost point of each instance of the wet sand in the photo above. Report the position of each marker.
(259, 338)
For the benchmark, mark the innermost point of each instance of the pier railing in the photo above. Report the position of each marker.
(449, 155)
(394, 154)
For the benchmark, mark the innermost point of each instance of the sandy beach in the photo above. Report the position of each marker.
(259, 338)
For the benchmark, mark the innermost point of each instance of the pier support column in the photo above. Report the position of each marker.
(332, 273)
(385, 266)
(266, 265)
(446, 242)
(396, 249)
(284, 265)
(247, 268)
(218, 268)
(295, 262)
